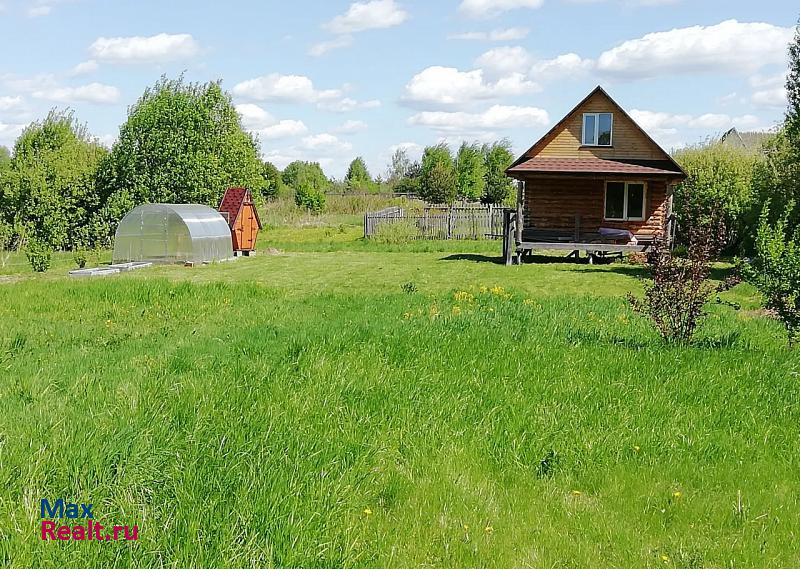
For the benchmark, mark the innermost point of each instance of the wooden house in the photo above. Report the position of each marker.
(240, 212)
(596, 182)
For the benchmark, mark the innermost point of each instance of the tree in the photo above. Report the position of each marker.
(438, 178)
(498, 186)
(793, 92)
(400, 166)
(306, 174)
(5, 158)
(358, 177)
(310, 198)
(182, 143)
(273, 182)
(722, 182)
(775, 270)
(48, 191)
(470, 171)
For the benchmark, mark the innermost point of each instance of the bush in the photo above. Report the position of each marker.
(309, 198)
(397, 232)
(775, 271)
(80, 257)
(679, 288)
(39, 255)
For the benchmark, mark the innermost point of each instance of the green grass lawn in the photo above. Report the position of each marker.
(306, 409)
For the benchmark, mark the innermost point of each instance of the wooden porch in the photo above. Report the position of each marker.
(519, 242)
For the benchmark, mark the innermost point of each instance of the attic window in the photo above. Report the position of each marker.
(597, 129)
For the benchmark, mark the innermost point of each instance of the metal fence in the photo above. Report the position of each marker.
(457, 222)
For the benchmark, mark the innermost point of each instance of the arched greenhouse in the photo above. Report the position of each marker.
(169, 233)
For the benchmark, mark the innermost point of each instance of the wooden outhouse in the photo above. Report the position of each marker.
(596, 182)
(240, 212)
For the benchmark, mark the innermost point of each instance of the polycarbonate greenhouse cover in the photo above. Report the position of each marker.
(169, 233)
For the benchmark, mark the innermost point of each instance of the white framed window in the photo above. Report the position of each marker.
(598, 129)
(625, 201)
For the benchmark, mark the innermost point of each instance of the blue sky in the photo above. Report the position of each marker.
(332, 80)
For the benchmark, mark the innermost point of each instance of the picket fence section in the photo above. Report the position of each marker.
(457, 222)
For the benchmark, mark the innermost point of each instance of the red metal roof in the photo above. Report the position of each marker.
(592, 165)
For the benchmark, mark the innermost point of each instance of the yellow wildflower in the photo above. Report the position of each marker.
(456, 310)
(488, 529)
(463, 296)
(576, 492)
(636, 448)
(665, 559)
(367, 512)
(677, 494)
(484, 290)
(408, 315)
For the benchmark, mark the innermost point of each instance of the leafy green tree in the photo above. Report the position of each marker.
(182, 143)
(470, 172)
(498, 186)
(775, 270)
(722, 183)
(48, 191)
(273, 182)
(310, 198)
(358, 177)
(793, 92)
(400, 166)
(306, 174)
(5, 158)
(438, 175)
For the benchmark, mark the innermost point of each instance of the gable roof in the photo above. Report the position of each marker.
(233, 203)
(667, 167)
(749, 141)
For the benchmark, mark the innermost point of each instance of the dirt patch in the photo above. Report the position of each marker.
(759, 313)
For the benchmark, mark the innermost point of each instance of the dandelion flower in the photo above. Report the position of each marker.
(677, 494)
(488, 529)
(367, 512)
(636, 448)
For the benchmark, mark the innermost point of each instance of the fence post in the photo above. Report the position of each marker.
(450, 222)
(508, 233)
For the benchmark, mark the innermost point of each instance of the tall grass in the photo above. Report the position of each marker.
(240, 425)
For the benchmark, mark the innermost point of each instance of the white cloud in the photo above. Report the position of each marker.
(260, 122)
(321, 48)
(659, 124)
(283, 129)
(10, 103)
(501, 61)
(330, 143)
(507, 34)
(299, 89)
(496, 117)
(447, 86)
(9, 133)
(91, 93)
(346, 105)
(769, 91)
(489, 8)
(254, 117)
(351, 127)
(361, 16)
(728, 46)
(285, 88)
(85, 67)
(568, 64)
(504, 60)
(139, 49)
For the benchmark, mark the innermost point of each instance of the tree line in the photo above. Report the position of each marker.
(184, 143)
